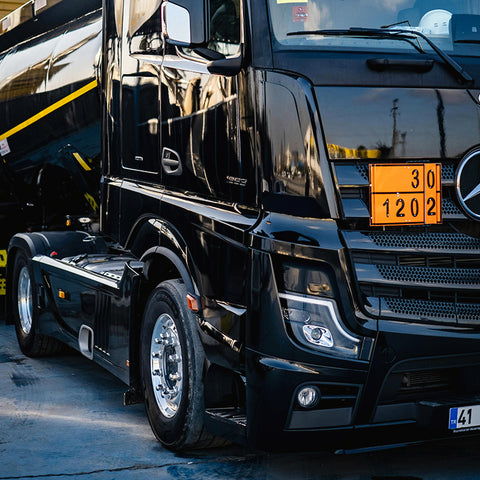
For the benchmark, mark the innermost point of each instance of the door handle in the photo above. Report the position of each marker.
(171, 163)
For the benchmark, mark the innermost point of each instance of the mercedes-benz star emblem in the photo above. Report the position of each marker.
(468, 184)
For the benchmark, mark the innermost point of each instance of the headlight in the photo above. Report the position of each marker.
(314, 322)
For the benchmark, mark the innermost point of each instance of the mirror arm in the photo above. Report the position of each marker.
(208, 54)
(228, 67)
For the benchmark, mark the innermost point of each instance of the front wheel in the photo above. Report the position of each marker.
(32, 343)
(172, 361)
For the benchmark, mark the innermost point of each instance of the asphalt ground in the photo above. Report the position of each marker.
(63, 418)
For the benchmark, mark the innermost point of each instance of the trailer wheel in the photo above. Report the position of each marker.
(32, 343)
(172, 361)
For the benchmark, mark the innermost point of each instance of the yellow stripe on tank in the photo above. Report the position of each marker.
(50, 109)
(81, 161)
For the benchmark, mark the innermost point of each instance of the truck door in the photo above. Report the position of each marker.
(208, 177)
(200, 126)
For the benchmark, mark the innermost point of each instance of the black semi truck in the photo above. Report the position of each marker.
(288, 241)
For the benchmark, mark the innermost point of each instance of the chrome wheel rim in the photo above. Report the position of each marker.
(25, 300)
(166, 364)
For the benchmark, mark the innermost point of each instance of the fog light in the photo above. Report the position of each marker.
(308, 397)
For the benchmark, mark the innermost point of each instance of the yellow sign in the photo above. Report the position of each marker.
(3, 286)
(3, 258)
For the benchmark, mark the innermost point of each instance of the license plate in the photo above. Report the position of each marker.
(405, 194)
(464, 418)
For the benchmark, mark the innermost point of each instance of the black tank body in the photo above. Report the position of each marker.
(50, 127)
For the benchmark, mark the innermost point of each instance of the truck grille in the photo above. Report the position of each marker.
(413, 381)
(425, 274)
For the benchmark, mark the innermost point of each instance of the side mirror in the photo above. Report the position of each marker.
(184, 22)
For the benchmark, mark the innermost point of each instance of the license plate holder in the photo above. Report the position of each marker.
(405, 194)
(464, 418)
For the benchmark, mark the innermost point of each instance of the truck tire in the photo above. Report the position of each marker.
(32, 343)
(172, 361)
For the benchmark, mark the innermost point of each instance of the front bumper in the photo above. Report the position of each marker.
(403, 395)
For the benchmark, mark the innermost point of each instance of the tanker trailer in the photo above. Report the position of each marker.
(50, 122)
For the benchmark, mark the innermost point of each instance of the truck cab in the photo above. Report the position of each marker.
(289, 236)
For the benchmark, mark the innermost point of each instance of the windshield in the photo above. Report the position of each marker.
(453, 25)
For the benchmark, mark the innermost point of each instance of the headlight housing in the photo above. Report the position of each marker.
(314, 323)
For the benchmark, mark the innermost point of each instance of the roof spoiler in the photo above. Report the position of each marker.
(39, 16)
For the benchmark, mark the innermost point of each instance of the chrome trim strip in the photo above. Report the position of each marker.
(239, 311)
(81, 272)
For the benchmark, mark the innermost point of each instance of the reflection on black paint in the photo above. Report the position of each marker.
(441, 124)
(360, 119)
(199, 122)
(140, 122)
(45, 180)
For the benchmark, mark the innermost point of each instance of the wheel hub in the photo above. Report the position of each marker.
(166, 365)
(25, 300)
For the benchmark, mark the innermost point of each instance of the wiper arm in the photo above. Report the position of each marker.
(399, 34)
(454, 66)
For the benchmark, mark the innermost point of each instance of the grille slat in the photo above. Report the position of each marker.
(440, 278)
(416, 242)
(437, 282)
(356, 174)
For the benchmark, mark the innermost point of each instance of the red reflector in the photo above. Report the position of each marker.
(192, 303)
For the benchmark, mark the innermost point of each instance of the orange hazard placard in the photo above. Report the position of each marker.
(406, 193)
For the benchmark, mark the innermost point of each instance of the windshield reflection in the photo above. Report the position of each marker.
(453, 25)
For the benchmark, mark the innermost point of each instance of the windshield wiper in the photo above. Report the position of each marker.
(362, 32)
(396, 33)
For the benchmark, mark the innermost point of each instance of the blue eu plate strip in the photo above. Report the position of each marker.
(452, 425)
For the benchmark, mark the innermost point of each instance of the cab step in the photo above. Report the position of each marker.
(229, 423)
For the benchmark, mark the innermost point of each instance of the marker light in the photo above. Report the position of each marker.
(192, 303)
(314, 322)
(308, 397)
